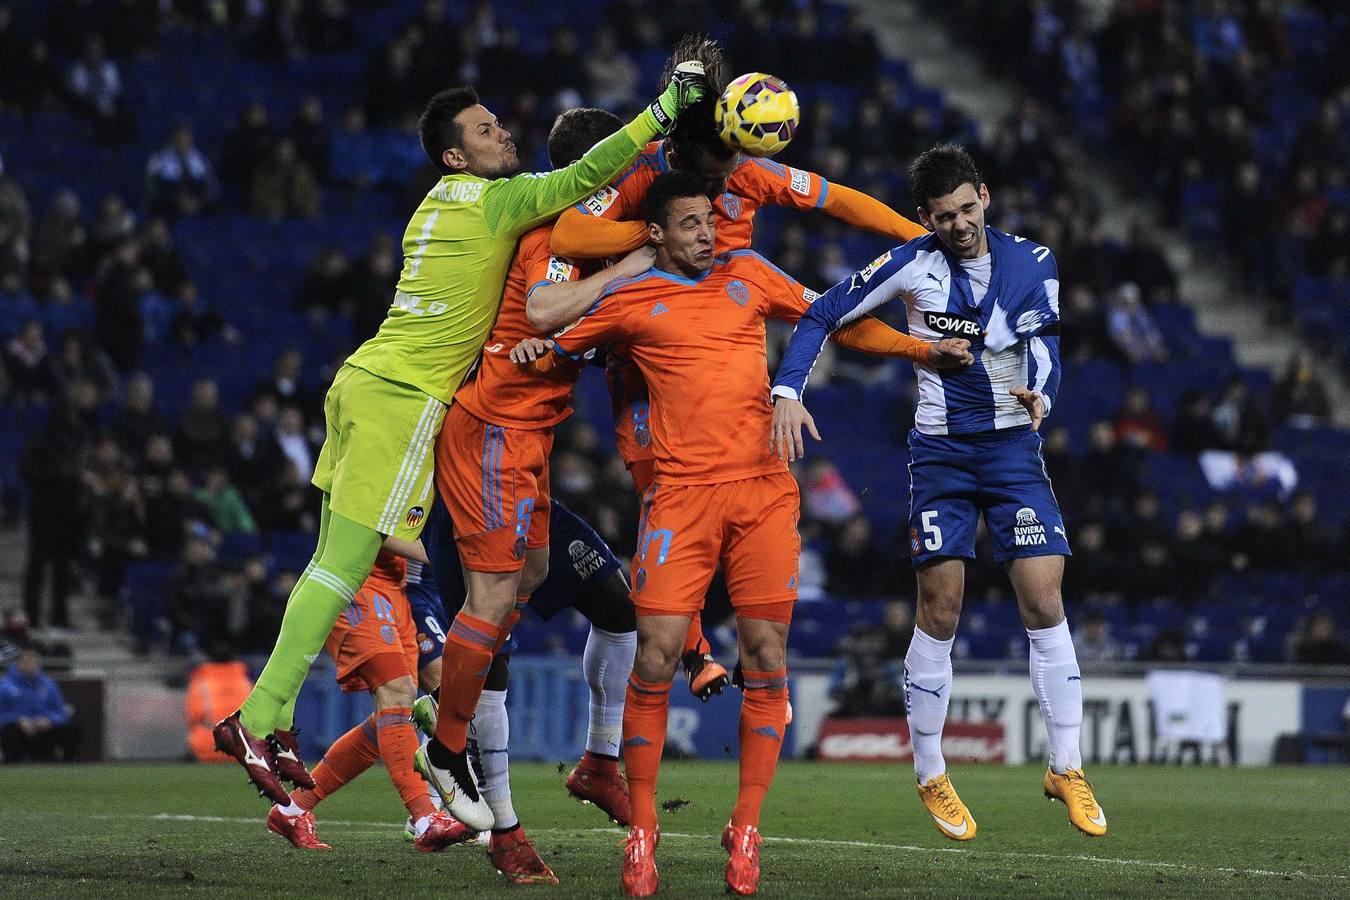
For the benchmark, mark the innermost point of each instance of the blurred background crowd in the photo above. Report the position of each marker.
(200, 211)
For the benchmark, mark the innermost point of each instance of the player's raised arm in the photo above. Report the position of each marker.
(585, 234)
(788, 186)
(514, 205)
(559, 298)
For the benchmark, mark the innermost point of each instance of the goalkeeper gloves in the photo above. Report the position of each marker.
(687, 86)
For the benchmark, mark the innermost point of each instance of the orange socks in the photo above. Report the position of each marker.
(644, 735)
(349, 756)
(398, 742)
(469, 648)
(763, 713)
(694, 639)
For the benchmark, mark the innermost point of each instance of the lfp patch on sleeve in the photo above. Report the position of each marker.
(601, 200)
(559, 270)
(874, 265)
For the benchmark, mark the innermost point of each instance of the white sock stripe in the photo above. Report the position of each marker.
(409, 468)
(333, 583)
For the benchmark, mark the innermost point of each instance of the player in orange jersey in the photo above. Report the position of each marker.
(694, 326)
(610, 222)
(374, 645)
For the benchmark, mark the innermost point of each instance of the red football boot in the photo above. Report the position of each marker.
(515, 857)
(443, 831)
(599, 781)
(743, 864)
(286, 758)
(251, 752)
(639, 876)
(299, 830)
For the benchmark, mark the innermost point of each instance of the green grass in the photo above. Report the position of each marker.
(832, 830)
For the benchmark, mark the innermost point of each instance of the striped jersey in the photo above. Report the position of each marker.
(1006, 303)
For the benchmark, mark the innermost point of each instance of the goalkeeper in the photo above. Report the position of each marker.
(386, 404)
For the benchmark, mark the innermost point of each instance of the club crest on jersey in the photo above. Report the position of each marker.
(731, 205)
(875, 265)
(415, 516)
(1028, 530)
(953, 325)
(559, 271)
(738, 292)
(601, 200)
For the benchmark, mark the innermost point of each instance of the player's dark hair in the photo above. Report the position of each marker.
(695, 131)
(670, 186)
(939, 171)
(578, 130)
(437, 127)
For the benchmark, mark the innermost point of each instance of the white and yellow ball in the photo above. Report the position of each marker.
(757, 114)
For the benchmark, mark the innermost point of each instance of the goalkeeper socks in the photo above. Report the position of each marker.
(349, 756)
(1059, 689)
(644, 735)
(492, 731)
(928, 688)
(763, 718)
(607, 663)
(398, 743)
(694, 640)
(348, 553)
(469, 647)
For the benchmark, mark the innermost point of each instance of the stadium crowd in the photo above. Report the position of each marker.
(94, 289)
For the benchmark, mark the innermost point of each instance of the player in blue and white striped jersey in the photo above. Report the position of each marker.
(974, 450)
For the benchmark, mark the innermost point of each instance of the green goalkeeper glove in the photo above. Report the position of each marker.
(687, 86)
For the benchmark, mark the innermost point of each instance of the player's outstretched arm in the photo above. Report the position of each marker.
(871, 335)
(785, 435)
(864, 211)
(551, 305)
(512, 206)
(583, 236)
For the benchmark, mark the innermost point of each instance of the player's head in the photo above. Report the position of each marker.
(951, 199)
(461, 136)
(681, 224)
(693, 144)
(578, 130)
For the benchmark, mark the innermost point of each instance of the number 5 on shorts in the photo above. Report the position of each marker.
(932, 534)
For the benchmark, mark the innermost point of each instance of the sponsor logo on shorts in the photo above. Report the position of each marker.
(601, 200)
(738, 292)
(387, 634)
(874, 265)
(415, 516)
(800, 182)
(640, 580)
(586, 560)
(957, 326)
(1028, 530)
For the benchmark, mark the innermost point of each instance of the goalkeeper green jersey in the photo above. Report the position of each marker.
(456, 250)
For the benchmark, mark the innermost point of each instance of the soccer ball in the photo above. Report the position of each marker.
(757, 114)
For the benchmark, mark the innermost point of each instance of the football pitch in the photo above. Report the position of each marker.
(840, 830)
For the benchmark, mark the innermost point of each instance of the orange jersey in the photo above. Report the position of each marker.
(699, 344)
(500, 393)
(390, 571)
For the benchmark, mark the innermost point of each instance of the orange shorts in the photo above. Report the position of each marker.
(374, 641)
(493, 479)
(748, 526)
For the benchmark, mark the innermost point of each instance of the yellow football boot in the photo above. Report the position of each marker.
(949, 814)
(1075, 791)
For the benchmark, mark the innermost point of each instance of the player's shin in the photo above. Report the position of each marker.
(492, 731)
(644, 735)
(1059, 690)
(928, 685)
(398, 742)
(763, 724)
(607, 662)
(350, 755)
(464, 668)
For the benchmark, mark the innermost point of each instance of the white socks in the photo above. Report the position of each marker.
(607, 662)
(928, 688)
(1059, 688)
(292, 809)
(491, 730)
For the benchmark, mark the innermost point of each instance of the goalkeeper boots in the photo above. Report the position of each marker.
(1075, 791)
(949, 814)
(598, 780)
(743, 863)
(515, 857)
(286, 758)
(639, 878)
(706, 675)
(299, 830)
(456, 785)
(251, 752)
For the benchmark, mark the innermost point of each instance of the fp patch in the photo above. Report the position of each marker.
(874, 265)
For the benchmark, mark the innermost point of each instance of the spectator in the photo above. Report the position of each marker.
(327, 287)
(159, 256)
(1151, 576)
(290, 499)
(897, 618)
(229, 512)
(1318, 645)
(1168, 646)
(827, 497)
(115, 513)
(79, 361)
(327, 27)
(203, 429)
(247, 147)
(1311, 545)
(196, 321)
(1094, 575)
(1299, 397)
(1084, 325)
(253, 459)
(1238, 418)
(1144, 264)
(1249, 228)
(215, 689)
(1138, 424)
(114, 224)
(1132, 329)
(196, 600)
(96, 85)
(374, 278)
(1199, 560)
(1194, 429)
(180, 179)
(158, 312)
(171, 510)
(562, 67)
(63, 311)
(356, 159)
(1093, 642)
(60, 246)
(285, 186)
(611, 71)
(309, 133)
(118, 321)
(286, 385)
(853, 566)
(35, 723)
(864, 682)
(137, 419)
(294, 443)
(26, 363)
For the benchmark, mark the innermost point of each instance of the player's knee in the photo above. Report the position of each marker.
(397, 693)
(655, 661)
(763, 644)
